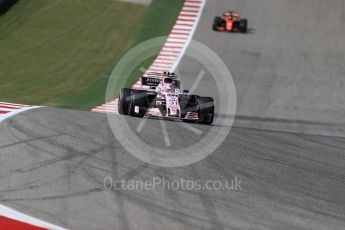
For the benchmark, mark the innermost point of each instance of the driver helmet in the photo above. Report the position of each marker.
(227, 14)
(167, 84)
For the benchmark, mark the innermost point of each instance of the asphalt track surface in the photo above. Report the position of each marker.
(289, 77)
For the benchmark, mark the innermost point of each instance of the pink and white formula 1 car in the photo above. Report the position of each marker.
(161, 96)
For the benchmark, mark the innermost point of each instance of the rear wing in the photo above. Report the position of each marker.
(150, 81)
(153, 79)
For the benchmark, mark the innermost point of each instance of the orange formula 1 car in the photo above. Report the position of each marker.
(230, 22)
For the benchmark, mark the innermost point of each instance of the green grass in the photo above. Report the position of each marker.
(62, 52)
(158, 21)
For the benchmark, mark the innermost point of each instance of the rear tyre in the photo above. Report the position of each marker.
(138, 99)
(124, 99)
(243, 27)
(206, 110)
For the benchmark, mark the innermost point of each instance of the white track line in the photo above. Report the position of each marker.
(197, 82)
(11, 112)
(165, 133)
(191, 128)
(141, 125)
(184, 10)
(15, 215)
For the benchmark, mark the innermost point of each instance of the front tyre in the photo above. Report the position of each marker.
(218, 22)
(206, 110)
(243, 27)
